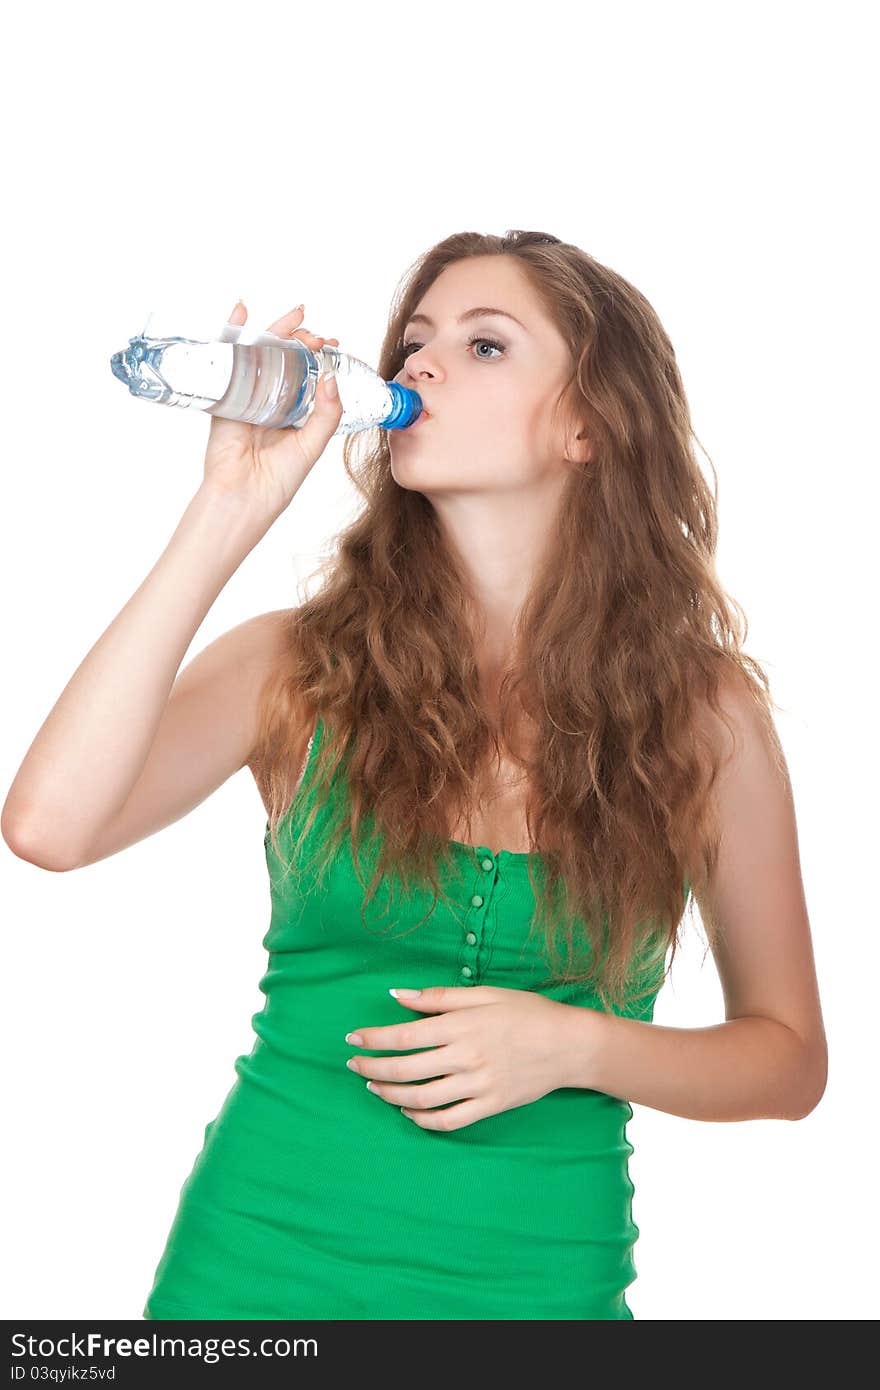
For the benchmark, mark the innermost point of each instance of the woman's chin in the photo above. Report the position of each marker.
(411, 472)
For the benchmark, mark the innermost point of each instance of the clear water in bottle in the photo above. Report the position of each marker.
(261, 379)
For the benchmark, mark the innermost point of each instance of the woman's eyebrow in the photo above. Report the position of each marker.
(482, 311)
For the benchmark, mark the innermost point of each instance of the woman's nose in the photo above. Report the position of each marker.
(413, 369)
(408, 377)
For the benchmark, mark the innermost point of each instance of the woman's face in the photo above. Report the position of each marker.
(489, 383)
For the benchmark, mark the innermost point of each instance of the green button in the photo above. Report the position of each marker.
(471, 939)
(466, 971)
(476, 901)
(488, 864)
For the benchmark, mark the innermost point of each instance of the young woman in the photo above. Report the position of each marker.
(499, 752)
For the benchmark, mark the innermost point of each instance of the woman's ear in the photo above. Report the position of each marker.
(576, 443)
(579, 449)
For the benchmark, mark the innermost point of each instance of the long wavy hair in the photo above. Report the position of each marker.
(625, 635)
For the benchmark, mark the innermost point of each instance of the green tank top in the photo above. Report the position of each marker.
(313, 1198)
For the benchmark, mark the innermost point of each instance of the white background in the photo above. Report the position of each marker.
(722, 158)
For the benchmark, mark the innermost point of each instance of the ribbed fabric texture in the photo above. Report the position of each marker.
(313, 1198)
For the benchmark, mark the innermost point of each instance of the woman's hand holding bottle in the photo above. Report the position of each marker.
(263, 468)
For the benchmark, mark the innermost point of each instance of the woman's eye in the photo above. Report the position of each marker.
(411, 347)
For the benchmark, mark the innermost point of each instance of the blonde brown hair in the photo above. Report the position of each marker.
(625, 635)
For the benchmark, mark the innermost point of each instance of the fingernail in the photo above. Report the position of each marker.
(330, 387)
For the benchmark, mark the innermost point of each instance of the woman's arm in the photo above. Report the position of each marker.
(770, 1059)
(745, 1069)
(92, 748)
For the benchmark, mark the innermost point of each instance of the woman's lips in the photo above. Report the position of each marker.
(425, 415)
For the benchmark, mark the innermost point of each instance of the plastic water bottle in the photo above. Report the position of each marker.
(261, 379)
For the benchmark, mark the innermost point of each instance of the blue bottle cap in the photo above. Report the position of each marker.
(405, 409)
